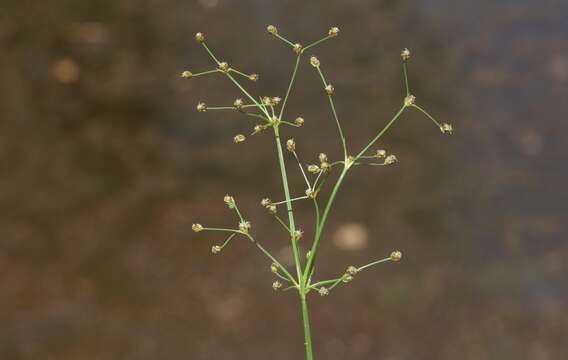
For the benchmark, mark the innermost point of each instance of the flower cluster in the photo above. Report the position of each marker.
(269, 115)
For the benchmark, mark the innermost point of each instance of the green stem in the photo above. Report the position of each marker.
(313, 251)
(307, 331)
(290, 86)
(381, 133)
(404, 73)
(288, 205)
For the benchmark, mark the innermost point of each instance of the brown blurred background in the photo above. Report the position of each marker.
(105, 164)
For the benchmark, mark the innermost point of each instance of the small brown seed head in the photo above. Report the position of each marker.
(202, 107)
(314, 61)
(196, 227)
(200, 37)
(186, 74)
(239, 138)
(405, 55)
(291, 145)
(396, 256)
(446, 128)
(409, 100)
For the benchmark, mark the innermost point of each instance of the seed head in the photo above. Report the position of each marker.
(254, 77)
(196, 227)
(291, 145)
(405, 55)
(329, 89)
(322, 157)
(351, 270)
(274, 268)
(314, 169)
(391, 159)
(409, 100)
(276, 100)
(230, 201)
(314, 61)
(446, 128)
(395, 256)
(381, 154)
(310, 193)
(272, 29)
(277, 285)
(186, 74)
(200, 37)
(266, 101)
(334, 31)
(298, 48)
(265, 202)
(272, 209)
(244, 226)
(299, 121)
(239, 138)
(325, 166)
(298, 234)
(347, 278)
(224, 66)
(323, 291)
(202, 107)
(238, 104)
(256, 129)
(215, 249)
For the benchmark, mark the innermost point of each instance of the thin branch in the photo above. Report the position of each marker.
(330, 97)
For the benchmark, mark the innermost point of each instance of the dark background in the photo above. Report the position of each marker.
(105, 164)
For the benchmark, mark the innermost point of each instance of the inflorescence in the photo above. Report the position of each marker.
(269, 113)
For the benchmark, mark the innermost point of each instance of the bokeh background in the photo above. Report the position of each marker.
(105, 164)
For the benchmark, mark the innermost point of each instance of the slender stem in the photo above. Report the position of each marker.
(228, 240)
(343, 143)
(373, 263)
(317, 42)
(405, 78)
(314, 249)
(294, 199)
(269, 255)
(283, 39)
(307, 331)
(247, 94)
(238, 212)
(205, 73)
(256, 116)
(282, 277)
(239, 72)
(294, 72)
(223, 230)
(292, 227)
(427, 114)
(220, 108)
(283, 224)
(381, 133)
(302, 170)
(210, 53)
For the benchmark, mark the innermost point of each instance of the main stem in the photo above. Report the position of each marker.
(307, 332)
(288, 206)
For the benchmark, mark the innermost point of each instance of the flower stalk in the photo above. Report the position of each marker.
(271, 113)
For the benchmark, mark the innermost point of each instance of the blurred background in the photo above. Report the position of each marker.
(105, 164)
